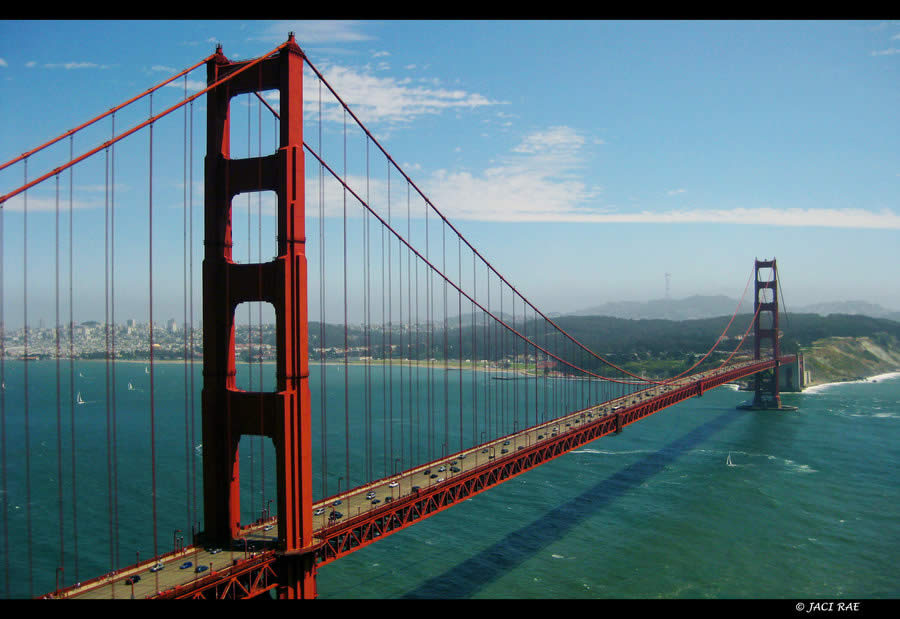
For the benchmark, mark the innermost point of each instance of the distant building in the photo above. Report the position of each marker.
(171, 325)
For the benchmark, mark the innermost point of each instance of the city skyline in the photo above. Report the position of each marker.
(623, 159)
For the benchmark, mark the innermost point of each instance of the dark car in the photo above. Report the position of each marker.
(185, 565)
(132, 579)
(201, 568)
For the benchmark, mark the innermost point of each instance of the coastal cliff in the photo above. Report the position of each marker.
(839, 359)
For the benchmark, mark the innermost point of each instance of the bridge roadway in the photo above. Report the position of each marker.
(259, 539)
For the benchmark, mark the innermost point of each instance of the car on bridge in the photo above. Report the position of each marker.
(157, 567)
(132, 579)
(185, 565)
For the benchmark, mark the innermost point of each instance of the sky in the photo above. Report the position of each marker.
(584, 159)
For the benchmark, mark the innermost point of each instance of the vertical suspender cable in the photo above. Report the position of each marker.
(389, 452)
(367, 302)
(112, 294)
(109, 492)
(428, 342)
(72, 358)
(3, 486)
(250, 321)
(322, 345)
(418, 379)
(259, 306)
(346, 365)
(184, 333)
(150, 284)
(446, 444)
(193, 514)
(459, 335)
(409, 348)
(474, 354)
(400, 345)
(59, 469)
(25, 381)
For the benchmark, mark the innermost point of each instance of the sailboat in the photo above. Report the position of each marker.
(728, 461)
(146, 370)
(78, 399)
(130, 386)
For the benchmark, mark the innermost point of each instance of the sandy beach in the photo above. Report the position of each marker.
(870, 379)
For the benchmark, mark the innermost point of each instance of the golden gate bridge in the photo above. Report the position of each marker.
(459, 383)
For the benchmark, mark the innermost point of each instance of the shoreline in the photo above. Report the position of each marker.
(868, 379)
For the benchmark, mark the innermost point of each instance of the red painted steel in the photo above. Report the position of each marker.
(229, 413)
(766, 311)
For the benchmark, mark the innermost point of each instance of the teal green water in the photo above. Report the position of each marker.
(809, 506)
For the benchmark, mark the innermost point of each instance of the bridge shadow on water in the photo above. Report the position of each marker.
(466, 579)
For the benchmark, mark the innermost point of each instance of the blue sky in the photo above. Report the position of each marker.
(585, 160)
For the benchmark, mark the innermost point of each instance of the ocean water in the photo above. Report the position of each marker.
(699, 501)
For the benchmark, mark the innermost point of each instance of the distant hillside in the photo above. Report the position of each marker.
(699, 306)
(665, 309)
(837, 359)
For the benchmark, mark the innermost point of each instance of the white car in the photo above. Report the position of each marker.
(319, 511)
(157, 567)
(393, 484)
(268, 527)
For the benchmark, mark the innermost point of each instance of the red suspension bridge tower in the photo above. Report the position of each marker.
(767, 395)
(229, 413)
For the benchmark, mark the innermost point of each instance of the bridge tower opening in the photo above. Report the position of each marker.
(229, 413)
(767, 395)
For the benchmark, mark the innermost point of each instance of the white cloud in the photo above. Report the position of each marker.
(75, 65)
(37, 204)
(794, 217)
(386, 99)
(536, 183)
(3, 63)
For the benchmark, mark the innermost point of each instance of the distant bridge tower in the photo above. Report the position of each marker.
(229, 413)
(765, 328)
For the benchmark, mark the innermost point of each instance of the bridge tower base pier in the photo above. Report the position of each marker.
(766, 394)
